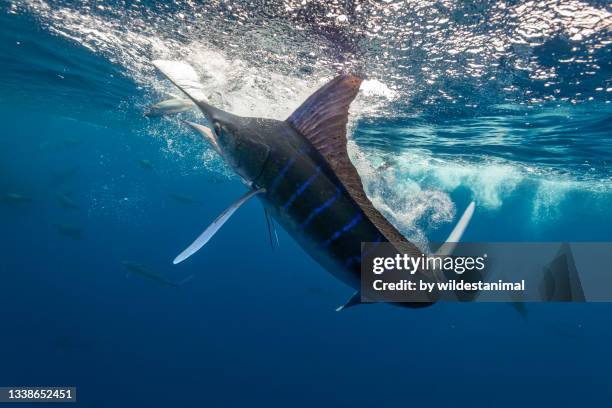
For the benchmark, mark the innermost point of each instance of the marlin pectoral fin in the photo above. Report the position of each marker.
(215, 226)
(448, 247)
(354, 300)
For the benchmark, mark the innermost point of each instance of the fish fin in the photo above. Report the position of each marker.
(322, 119)
(275, 234)
(272, 230)
(561, 282)
(354, 300)
(212, 229)
(268, 223)
(448, 247)
(205, 132)
(521, 308)
(184, 76)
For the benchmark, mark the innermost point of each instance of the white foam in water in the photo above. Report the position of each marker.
(548, 196)
(489, 183)
(412, 187)
(400, 198)
(241, 89)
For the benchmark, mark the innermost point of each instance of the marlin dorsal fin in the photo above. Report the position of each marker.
(322, 119)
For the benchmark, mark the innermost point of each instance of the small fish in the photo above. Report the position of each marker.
(16, 198)
(169, 107)
(146, 164)
(62, 144)
(138, 269)
(70, 231)
(65, 201)
(62, 176)
(184, 199)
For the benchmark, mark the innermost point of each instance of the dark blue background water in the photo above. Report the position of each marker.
(257, 326)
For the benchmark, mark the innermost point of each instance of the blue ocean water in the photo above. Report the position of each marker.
(505, 103)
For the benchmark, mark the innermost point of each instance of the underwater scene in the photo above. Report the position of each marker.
(105, 177)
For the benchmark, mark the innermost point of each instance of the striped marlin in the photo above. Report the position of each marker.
(300, 170)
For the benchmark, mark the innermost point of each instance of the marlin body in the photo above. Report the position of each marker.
(306, 197)
(300, 170)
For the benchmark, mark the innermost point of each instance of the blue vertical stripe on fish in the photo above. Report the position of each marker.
(281, 175)
(344, 229)
(320, 208)
(302, 188)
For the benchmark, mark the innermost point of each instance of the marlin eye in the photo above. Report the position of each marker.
(217, 128)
